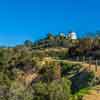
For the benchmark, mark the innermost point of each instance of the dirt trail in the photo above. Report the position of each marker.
(93, 95)
(84, 64)
(28, 78)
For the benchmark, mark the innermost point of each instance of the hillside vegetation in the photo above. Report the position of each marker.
(49, 69)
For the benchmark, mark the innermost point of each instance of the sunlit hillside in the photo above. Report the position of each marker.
(53, 68)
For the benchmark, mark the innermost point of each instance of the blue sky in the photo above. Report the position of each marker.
(32, 19)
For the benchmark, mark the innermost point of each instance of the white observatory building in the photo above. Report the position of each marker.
(72, 35)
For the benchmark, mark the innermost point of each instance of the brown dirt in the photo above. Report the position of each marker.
(27, 78)
(93, 95)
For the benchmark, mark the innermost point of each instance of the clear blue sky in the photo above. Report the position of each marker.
(32, 19)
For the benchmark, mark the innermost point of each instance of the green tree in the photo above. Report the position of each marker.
(59, 90)
(41, 91)
(55, 90)
(18, 91)
(50, 36)
(28, 43)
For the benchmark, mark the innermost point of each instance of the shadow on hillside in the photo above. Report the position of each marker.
(81, 80)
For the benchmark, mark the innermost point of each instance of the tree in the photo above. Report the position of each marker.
(28, 43)
(4, 85)
(18, 91)
(59, 89)
(40, 91)
(50, 36)
(55, 90)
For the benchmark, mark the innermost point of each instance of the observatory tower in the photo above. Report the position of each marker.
(72, 35)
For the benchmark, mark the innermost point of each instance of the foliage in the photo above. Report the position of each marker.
(28, 59)
(56, 90)
(70, 69)
(80, 94)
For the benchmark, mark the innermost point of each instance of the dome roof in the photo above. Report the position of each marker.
(73, 35)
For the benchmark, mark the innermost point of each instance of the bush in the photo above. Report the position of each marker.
(56, 90)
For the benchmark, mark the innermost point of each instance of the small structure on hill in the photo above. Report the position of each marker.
(72, 35)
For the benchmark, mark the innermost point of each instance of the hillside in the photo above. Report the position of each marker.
(52, 68)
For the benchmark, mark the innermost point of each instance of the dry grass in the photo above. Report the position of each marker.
(94, 94)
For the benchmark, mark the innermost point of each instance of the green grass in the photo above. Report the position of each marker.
(80, 94)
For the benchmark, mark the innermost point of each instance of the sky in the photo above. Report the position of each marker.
(22, 20)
